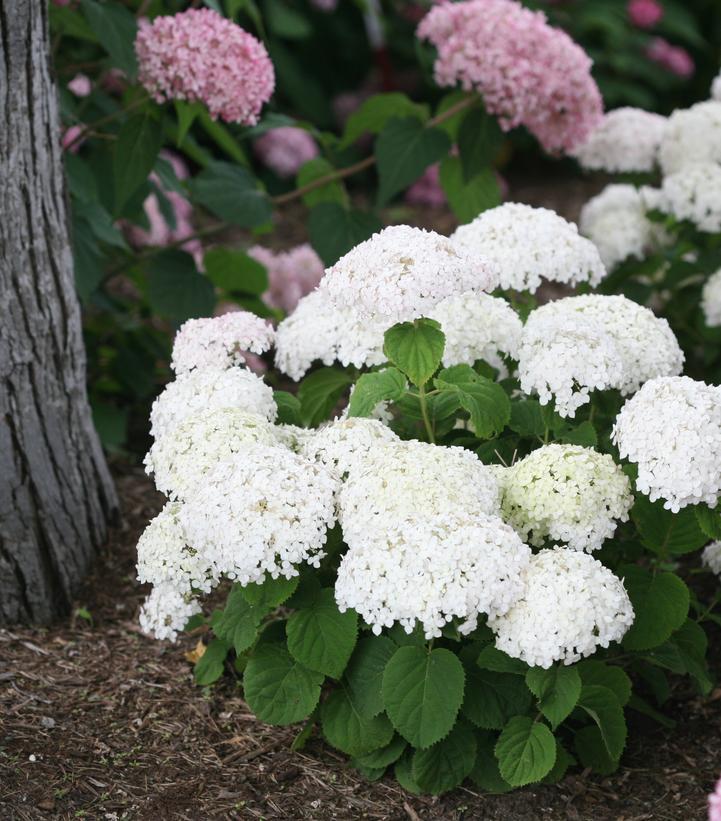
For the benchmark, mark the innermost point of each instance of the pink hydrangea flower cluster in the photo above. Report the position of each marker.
(80, 85)
(644, 13)
(198, 55)
(528, 72)
(714, 804)
(285, 149)
(673, 58)
(291, 274)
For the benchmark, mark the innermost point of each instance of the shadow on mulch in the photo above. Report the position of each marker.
(98, 721)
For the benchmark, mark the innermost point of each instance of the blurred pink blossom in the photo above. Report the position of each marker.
(325, 5)
(285, 149)
(197, 55)
(114, 81)
(80, 85)
(644, 13)
(714, 804)
(527, 72)
(291, 274)
(70, 141)
(673, 58)
(427, 189)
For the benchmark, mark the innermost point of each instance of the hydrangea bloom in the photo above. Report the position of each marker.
(220, 342)
(711, 557)
(203, 391)
(627, 139)
(693, 135)
(527, 72)
(285, 149)
(565, 493)
(529, 244)
(711, 300)
(261, 512)
(198, 55)
(673, 58)
(694, 194)
(574, 345)
(401, 273)
(644, 13)
(319, 331)
(615, 221)
(165, 612)
(291, 274)
(182, 460)
(445, 566)
(571, 606)
(80, 85)
(672, 430)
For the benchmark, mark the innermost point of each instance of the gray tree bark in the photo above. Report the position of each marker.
(56, 494)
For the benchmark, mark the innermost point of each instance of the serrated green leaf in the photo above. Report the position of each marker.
(492, 698)
(557, 690)
(526, 751)
(660, 604)
(372, 388)
(479, 140)
(235, 271)
(607, 675)
(709, 520)
(664, 532)
(288, 408)
(491, 658)
(384, 756)
(321, 637)
(563, 761)
(333, 230)
(469, 199)
(404, 149)
(443, 766)
(186, 113)
(364, 673)
(485, 773)
(134, 156)
(116, 29)
(277, 688)
(685, 652)
(270, 593)
(602, 706)
(486, 401)
(375, 112)
(209, 667)
(175, 288)
(231, 193)
(422, 693)
(404, 773)
(332, 191)
(526, 418)
(416, 348)
(592, 752)
(347, 730)
(583, 434)
(319, 393)
(239, 622)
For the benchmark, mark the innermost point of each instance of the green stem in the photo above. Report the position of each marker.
(422, 399)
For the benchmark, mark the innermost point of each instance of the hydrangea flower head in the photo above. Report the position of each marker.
(165, 612)
(527, 72)
(711, 300)
(711, 557)
(199, 56)
(220, 341)
(673, 58)
(285, 149)
(692, 135)
(528, 245)
(565, 493)
(401, 273)
(291, 274)
(694, 194)
(571, 606)
(644, 13)
(627, 139)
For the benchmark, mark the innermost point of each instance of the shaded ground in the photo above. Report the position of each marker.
(98, 721)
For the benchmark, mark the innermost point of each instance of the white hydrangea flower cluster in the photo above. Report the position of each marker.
(711, 300)
(527, 245)
(401, 273)
(672, 430)
(626, 140)
(571, 606)
(716, 87)
(694, 194)
(165, 612)
(574, 345)
(711, 557)
(693, 135)
(208, 389)
(431, 571)
(615, 221)
(565, 493)
(220, 341)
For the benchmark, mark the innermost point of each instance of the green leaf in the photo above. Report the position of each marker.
(485, 773)
(277, 688)
(583, 434)
(222, 137)
(239, 622)
(384, 756)
(660, 603)
(563, 761)
(491, 658)
(479, 141)
(664, 532)
(347, 730)
(270, 593)
(607, 675)
(486, 401)
(330, 192)
(375, 112)
(685, 652)
(404, 149)
(404, 773)
(526, 751)
(288, 408)
(135, 153)
(452, 125)
(87, 257)
(111, 423)
(602, 706)
(116, 29)
(235, 271)
(334, 230)
(319, 393)
(364, 673)
(321, 637)
(492, 698)
(709, 520)
(527, 418)
(592, 752)
(469, 199)
(231, 193)
(285, 21)
(209, 667)
(372, 388)
(175, 288)
(443, 766)
(186, 113)
(416, 348)
(557, 690)
(422, 693)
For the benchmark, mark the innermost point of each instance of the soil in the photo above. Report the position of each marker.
(99, 721)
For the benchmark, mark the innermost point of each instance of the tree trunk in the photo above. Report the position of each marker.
(56, 494)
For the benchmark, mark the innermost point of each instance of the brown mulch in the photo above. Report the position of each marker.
(98, 721)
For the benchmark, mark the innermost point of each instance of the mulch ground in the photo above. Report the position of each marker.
(98, 721)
